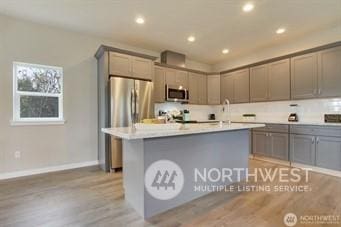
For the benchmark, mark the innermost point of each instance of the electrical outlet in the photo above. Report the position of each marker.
(17, 154)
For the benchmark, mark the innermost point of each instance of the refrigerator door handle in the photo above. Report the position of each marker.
(132, 106)
(137, 106)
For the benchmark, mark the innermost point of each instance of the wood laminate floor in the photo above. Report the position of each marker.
(90, 197)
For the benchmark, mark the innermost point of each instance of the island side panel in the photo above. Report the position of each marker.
(212, 150)
(133, 173)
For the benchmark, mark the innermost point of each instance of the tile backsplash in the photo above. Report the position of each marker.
(311, 110)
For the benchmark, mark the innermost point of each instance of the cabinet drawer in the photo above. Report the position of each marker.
(316, 130)
(274, 128)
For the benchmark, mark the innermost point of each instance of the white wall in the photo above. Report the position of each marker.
(329, 35)
(46, 146)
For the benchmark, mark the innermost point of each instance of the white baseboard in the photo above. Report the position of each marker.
(331, 172)
(30, 172)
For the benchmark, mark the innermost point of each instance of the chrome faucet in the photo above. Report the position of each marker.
(226, 107)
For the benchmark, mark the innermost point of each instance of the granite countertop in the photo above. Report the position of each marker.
(187, 129)
(316, 123)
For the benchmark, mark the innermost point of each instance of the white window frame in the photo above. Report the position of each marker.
(17, 120)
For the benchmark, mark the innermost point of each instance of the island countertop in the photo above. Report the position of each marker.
(130, 134)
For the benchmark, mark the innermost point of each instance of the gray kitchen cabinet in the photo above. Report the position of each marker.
(260, 143)
(181, 78)
(259, 83)
(213, 89)
(193, 87)
(142, 68)
(279, 145)
(328, 152)
(279, 80)
(170, 76)
(304, 76)
(197, 86)
(302, 149)
(235, 86)
(241, 86)
(227, 87)
(159, 84)
(130, 66)
(177, 77)
(271, 144)
(202, 89)
(119, 64)
(329, 74)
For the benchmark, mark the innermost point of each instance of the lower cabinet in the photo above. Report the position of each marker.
(273, 145)
(302, 149)
(328, 152)
(280, 145)
(317, 148)
(260, 143)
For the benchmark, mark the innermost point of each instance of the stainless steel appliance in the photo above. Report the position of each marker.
(293, 117)
(130, 102)
(175, 93)
(332, 118)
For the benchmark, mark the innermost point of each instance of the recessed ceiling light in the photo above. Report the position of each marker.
(280, 30)
(140, 20)
(191, 38)
(248, 7)
(225, 51)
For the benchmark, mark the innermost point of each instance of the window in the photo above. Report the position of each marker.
(38, 93)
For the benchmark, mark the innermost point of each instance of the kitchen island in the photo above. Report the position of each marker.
(189, 153)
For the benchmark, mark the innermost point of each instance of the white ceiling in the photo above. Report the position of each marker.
(216, 24)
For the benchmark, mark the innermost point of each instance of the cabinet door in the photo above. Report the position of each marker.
(259, 83)
(120, 65)
(260, 143)
(329, 76)
(302, 149)
(181, 78)
(142, 68)
(193, 87)
(304, 76)
(202, 87)
(279, 80)
(241, 86)
(279, 145)
(159, 84)
(170, 76)
(227, 87)
(328, 152)
(213, 89)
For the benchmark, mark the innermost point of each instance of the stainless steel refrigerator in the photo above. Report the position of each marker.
(131, 101)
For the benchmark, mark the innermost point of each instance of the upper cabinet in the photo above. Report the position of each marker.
(142, 68)
(176, 77)
(259, 83)
(197, 85)
(270, 82)
(304, 76)
(119, 64)
(329, 72)
(317, 74)
(279, 80)
(159, 84)
(213, 89)
(130, 66)
(235, 86)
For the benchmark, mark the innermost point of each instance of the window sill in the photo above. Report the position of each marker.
(36, 123)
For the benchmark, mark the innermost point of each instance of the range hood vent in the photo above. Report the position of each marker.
(173, 58)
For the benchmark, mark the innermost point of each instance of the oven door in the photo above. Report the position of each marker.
(176, 93)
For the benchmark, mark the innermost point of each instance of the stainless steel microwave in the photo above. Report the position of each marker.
(175, 93)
